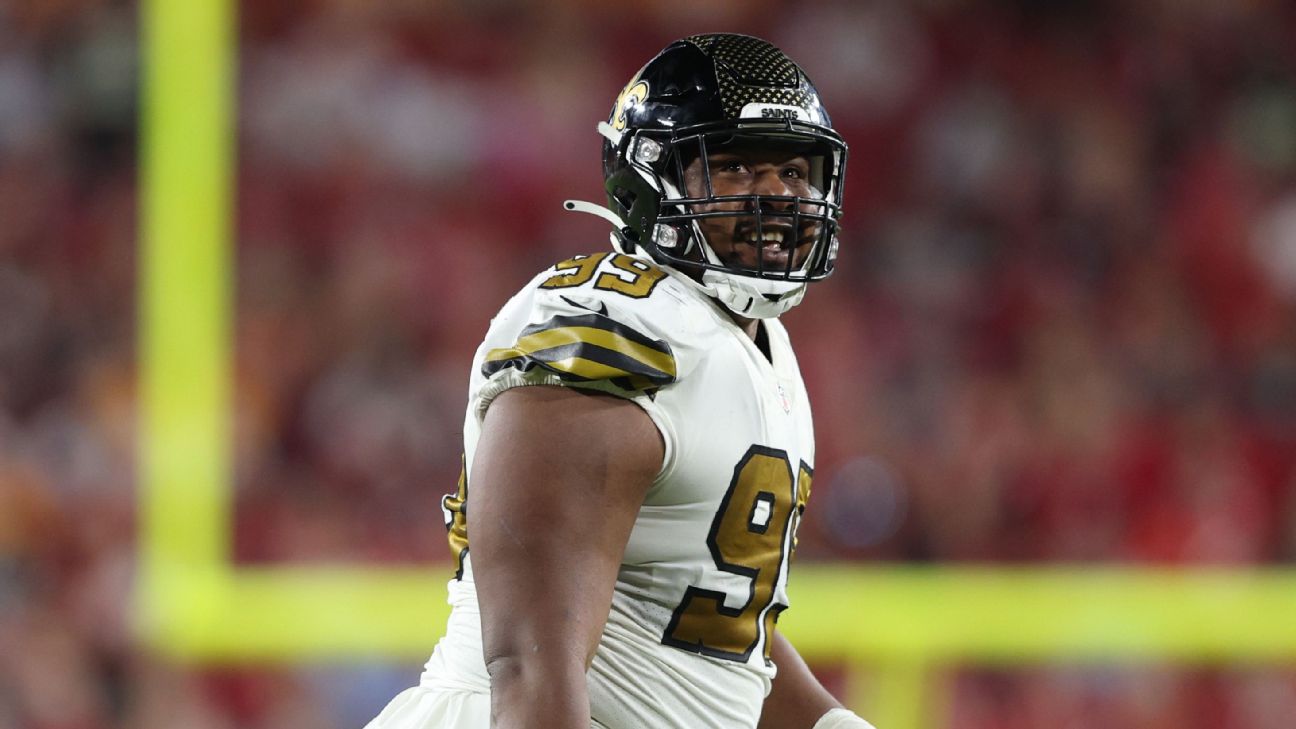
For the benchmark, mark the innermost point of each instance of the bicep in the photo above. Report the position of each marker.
(558, 478)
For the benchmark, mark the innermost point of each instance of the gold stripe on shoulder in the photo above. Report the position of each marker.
(662, 362)
(587, 369)
(503, 353)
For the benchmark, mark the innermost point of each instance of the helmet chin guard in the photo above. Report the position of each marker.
(752, 298)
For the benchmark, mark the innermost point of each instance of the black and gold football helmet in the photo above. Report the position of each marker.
(698, 95)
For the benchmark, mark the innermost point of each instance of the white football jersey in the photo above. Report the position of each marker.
(704, 574)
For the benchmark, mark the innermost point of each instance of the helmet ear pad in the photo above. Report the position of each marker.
(639, 203)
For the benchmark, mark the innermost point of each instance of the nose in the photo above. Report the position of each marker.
(769, 182)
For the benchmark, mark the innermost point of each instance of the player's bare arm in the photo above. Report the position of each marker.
(559, 477)
(796, 700)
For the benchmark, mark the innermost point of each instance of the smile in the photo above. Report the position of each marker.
(768, 236)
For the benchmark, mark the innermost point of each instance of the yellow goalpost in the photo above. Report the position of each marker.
(889, 625)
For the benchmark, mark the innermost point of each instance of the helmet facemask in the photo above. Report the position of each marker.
(780, 241)
(702, 223)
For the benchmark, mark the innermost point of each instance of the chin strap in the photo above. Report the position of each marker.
(622, 230)
(607, 132)
(580, 206)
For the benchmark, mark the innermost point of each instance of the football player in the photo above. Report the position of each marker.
(638, 442)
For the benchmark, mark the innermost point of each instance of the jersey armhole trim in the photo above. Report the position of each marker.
(508, 379)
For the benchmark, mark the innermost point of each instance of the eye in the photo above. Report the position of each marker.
(732, 166)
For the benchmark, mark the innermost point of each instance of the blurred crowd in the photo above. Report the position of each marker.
(1063, 328)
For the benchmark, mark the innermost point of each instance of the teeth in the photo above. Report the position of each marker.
(769, 236)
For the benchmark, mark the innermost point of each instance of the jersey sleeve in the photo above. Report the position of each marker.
(586, 348)
(584, 337)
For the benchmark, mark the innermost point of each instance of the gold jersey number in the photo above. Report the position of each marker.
(748, 537)
(630, 277)
(454, 509)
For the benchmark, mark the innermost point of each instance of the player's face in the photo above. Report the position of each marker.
(744, 169)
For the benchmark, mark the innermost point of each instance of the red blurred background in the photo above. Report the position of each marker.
(1063, 328)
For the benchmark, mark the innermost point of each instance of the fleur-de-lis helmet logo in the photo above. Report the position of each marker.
(632, 95)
